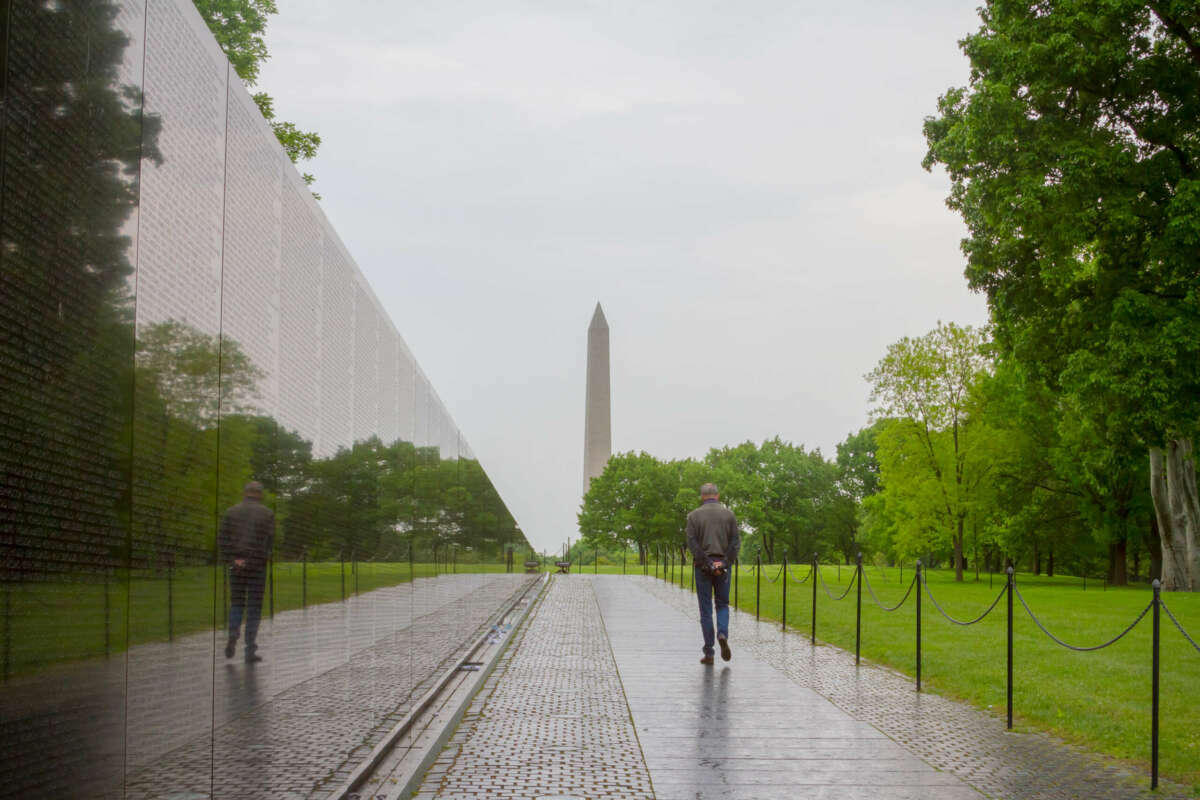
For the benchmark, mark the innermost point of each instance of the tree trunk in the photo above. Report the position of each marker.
(1037, 559)
(1050, 563)
(1154, 545)
(958, 552)
(1177, 509)
(1117, 574)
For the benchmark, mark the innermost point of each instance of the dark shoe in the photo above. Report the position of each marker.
(726, 653)
(707, 660)
(253, 658)
(230, 646)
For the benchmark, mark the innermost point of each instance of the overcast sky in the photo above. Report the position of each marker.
(739, 184)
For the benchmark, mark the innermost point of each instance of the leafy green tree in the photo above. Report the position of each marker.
(934, 449)
(857, 478)
(1073, 156)
(239, 26)
(632, 501)
(783, 494)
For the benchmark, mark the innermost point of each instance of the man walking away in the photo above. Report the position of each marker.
(247, 531)
(712, 536)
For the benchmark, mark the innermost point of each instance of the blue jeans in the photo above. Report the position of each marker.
(245, 598)
(706, 589)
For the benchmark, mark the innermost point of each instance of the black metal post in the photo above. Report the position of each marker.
(342, 562)
(304, 578)
(757, 583)
(170, 602)
(624, 551)
(1154, 690)
(918, 588)
(783, 575)
(814, 604)
(1010, 645)
(596, 561)
(858, 614)
(354, 568)
(735, 583)
(271, 586)
(454, 561)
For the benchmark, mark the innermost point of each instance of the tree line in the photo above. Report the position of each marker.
(1062, 434)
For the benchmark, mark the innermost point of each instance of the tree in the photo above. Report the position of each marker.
(857, 478)
(934, 449)
(780, 492)
(238, 26)
(1073, 157)
(631, 501)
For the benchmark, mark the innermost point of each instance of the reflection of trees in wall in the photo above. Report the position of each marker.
(369, 500)
(72, 140)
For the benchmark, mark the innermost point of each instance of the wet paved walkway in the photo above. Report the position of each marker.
(608, 661)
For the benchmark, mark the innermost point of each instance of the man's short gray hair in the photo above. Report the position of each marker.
(709, 490)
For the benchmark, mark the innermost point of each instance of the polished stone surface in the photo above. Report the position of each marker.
(179, 318)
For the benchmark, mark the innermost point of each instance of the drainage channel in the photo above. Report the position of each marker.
(396, 765)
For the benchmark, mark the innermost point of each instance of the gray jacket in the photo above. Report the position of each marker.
(712, 530)
(247, 531)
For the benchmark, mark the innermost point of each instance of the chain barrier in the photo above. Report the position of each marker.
(849, 586)
(777, 574)
(1179, 627)
(875, 597)
(802, 580)
(1110, 642)
(942, 611)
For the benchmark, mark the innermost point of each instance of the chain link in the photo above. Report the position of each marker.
(875, 597)
(802, 580)
(942, 611)
(825, 586)
(1191, 641)
(1109, 643)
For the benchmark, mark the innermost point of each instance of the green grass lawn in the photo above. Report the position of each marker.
(56, 622)
(1100, 699)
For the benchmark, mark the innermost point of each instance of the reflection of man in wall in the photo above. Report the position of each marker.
(712, 536)
(247, 531)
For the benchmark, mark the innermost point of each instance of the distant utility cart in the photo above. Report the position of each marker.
(564, 567)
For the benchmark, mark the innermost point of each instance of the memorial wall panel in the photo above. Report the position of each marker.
(183, 329)
(72, 124)
(174, 582)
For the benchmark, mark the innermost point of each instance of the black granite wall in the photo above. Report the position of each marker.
(177, 319)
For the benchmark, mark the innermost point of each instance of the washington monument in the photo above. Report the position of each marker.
(597, 421)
